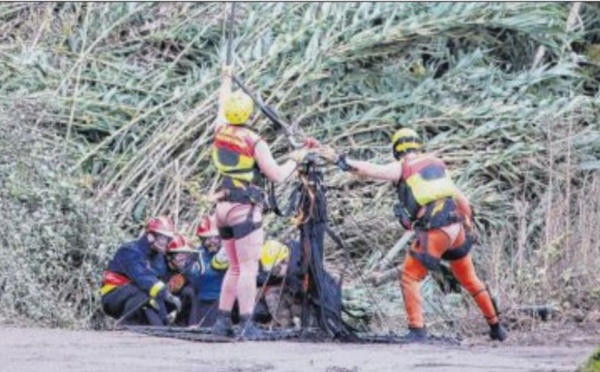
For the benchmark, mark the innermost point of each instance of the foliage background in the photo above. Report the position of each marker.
(108, 110)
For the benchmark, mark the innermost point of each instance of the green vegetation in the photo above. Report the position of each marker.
(507, 93)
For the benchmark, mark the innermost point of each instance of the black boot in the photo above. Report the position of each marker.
(248, 329)
(497, 332)
(416, 334)
(222, 326)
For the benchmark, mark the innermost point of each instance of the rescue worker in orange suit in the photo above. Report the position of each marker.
(243, 161)
(184, 279)
(432, 206)
(133, 286)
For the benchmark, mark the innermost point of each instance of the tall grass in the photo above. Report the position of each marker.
(506, 93)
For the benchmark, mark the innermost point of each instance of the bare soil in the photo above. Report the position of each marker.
(54, 350)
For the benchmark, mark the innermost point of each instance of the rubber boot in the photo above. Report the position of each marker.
(248, 329)
(497, 332)
(223, 326)
(416, 334)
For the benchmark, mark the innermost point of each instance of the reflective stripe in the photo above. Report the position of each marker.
(110, 277)
(156, 288)
(401, 147)
(428, 191)
(106, 288)
(243, 170)
(233, 153)
(217, 264)
(424, 181)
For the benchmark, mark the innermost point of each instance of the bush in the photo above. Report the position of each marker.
(55, 240)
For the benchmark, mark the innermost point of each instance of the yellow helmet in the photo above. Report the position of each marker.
(404, 141)
(238, 107)
(273, 253)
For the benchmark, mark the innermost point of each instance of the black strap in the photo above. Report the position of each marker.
(460, 252)
(273, 205)
(242, 229)
(239, 231)
(238, 171)
(251, 195)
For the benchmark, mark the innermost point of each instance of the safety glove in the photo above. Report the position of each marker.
(173, 300)
(171, 317)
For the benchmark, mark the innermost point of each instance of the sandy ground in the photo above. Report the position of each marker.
(51, 350)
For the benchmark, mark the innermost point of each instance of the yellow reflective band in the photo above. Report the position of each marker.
(106, 288)
(401, 147)
(439, 206)
(217, 264)
(244, 162)
(239, 184)
(428, 191)
(156, 288)
(404, 133)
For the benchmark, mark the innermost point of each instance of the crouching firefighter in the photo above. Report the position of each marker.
(214, 265)
(184, 279)
(132, 287)
(279, 278)
(243, 161)
(432, 206)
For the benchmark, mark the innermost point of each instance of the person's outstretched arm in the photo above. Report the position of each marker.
(268, 165)
(386, 172)
(225, 91)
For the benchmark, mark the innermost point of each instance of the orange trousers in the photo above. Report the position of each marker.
(439, 241)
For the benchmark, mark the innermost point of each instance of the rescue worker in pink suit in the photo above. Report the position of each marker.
(243, 160)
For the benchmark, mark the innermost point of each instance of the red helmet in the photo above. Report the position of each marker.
(179, 244)
(207, 227)
(161, 225)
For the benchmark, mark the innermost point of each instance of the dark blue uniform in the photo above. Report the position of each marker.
(134, 276)
(211, 280)
(190, 313)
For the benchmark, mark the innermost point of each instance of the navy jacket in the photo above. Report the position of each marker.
(211, 279)
(137, 261)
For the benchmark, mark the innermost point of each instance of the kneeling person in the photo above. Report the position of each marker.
(214, 265)
(278, 282)
(184, 280)
(132, 287)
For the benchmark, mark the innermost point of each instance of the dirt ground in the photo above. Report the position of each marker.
(52, 350)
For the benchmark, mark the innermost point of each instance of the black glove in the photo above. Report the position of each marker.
(173, 300)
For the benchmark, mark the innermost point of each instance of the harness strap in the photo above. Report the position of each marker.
(240, 230)
(251, 195)
(460, 252)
